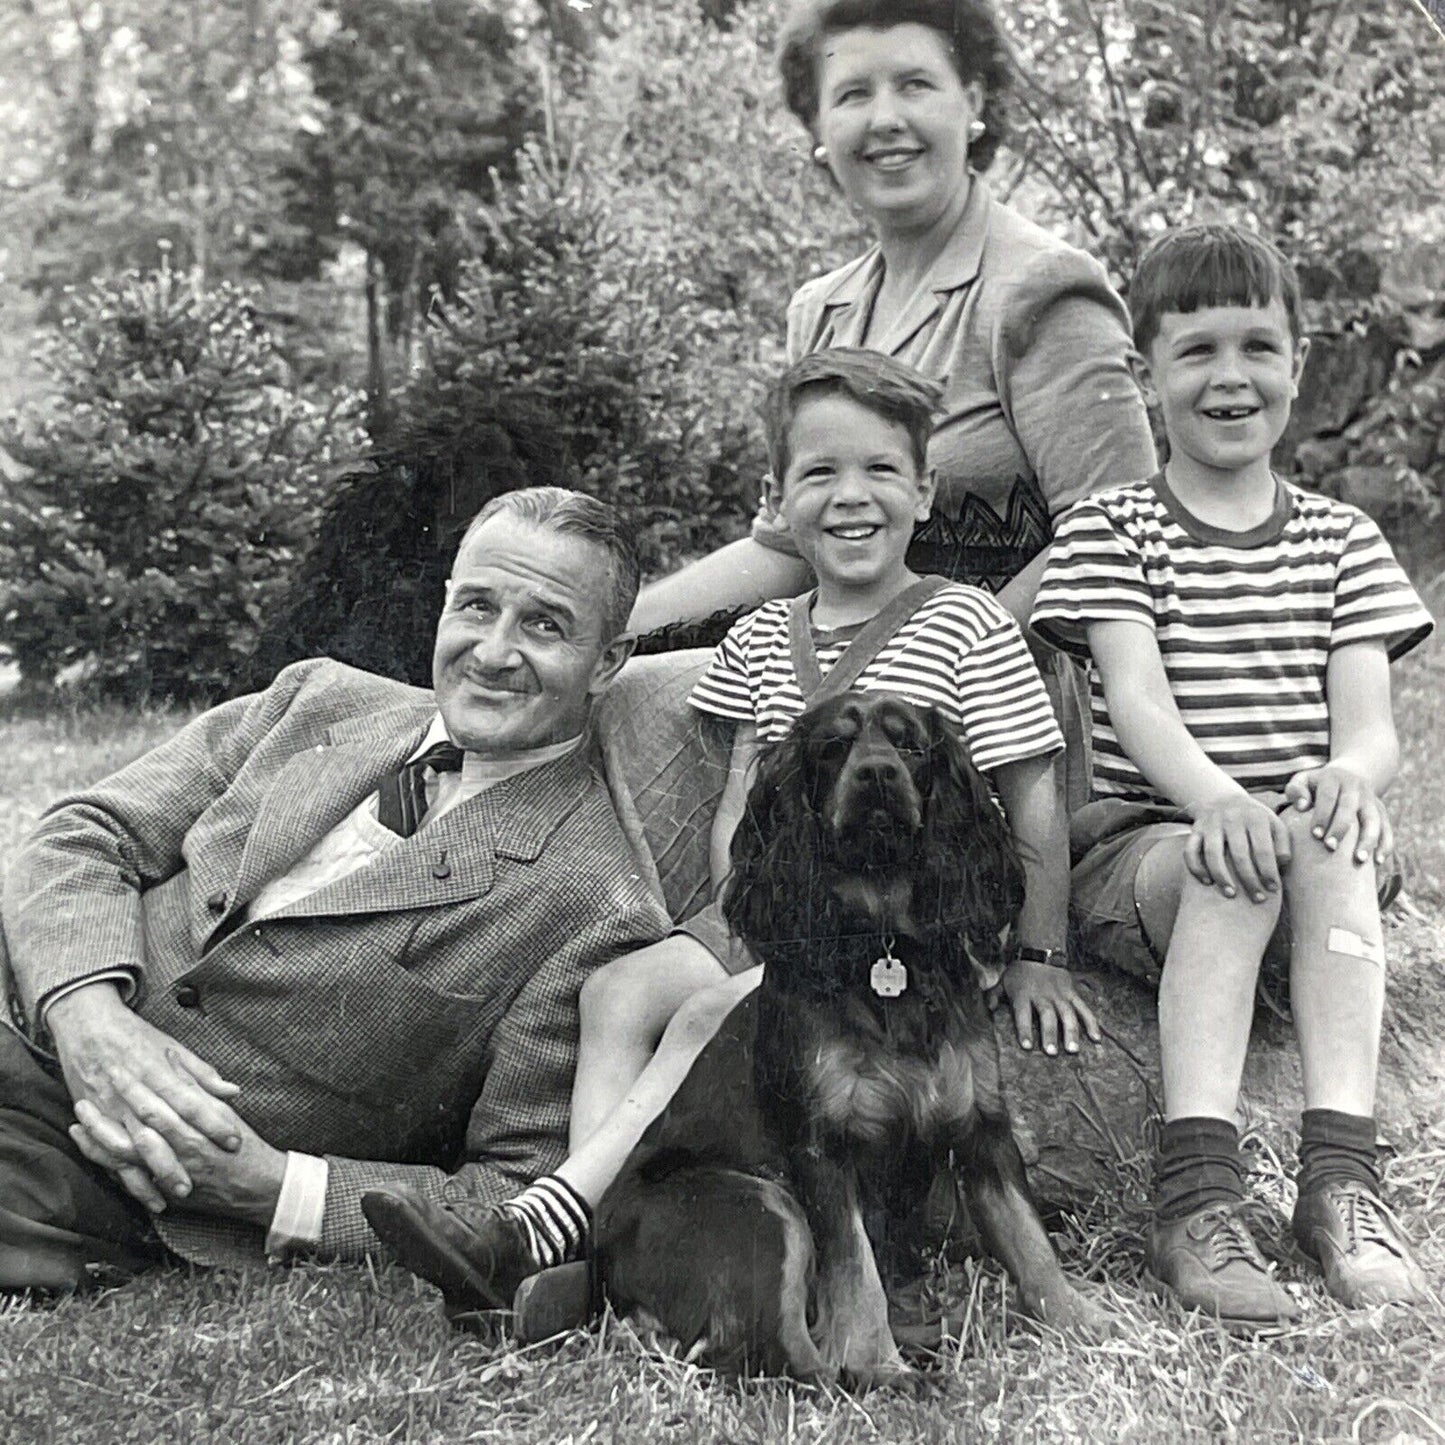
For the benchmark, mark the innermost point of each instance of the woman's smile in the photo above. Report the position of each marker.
(892, 158)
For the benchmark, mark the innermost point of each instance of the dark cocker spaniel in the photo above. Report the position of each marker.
(876, 877)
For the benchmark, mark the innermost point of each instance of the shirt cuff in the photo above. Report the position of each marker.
(123, 976)
(300, 1207)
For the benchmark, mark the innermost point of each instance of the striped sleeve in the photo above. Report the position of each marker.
(1094, 573)
(724, 690)
(1374, 600)
(1005, 711)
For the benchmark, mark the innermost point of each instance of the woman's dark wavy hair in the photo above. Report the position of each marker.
(975, 40)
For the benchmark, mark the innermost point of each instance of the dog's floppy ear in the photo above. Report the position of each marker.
(781, 832)
(973, 875)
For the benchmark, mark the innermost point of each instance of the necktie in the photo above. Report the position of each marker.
(401, 798)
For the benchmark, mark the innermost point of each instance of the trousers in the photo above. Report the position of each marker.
(64, 1224)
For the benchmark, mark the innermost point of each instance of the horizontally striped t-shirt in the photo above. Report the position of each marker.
(960, 652)
(1245, 621)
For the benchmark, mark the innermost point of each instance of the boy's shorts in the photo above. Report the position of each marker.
(709, 928)
(1108, 840)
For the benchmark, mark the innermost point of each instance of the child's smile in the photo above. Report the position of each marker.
(851, 495)
(1224, 377)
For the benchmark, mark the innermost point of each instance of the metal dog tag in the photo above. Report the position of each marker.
(888, 977)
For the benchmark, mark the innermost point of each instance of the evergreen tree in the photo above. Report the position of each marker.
(172, 483)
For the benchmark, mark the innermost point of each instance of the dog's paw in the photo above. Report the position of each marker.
(1073, 1313)
(898, 1376)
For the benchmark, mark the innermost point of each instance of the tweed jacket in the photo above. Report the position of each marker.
(414, 1021)
(1030, 343)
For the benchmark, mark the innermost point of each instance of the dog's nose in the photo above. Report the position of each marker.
(880, 772)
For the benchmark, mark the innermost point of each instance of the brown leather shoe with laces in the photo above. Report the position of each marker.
(1209, 1260)
(1359, 1244)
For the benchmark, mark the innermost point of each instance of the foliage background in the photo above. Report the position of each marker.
(551, 242)
(639, 150)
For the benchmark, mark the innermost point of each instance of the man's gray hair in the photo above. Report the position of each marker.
(575, 514)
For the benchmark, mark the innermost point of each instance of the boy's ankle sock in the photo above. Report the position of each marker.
(1336, 1148)
(555, 1217)
(1198, 1164)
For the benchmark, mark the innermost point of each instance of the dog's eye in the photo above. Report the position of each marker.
(900, 731)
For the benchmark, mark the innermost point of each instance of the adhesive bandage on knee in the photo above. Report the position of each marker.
(1348, 942)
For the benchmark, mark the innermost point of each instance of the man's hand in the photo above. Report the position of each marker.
(1341, 799)
(244, 1183)
(1238, 840)
(1052, 993)
(104, 1048)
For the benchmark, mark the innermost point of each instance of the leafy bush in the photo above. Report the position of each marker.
(624, 303)
(169, 487)
(564, 359)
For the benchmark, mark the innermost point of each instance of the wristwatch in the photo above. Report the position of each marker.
(1054, 957)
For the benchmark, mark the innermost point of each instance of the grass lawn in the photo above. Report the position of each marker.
(349, 1354)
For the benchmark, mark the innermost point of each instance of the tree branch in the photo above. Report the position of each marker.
(1118, 105)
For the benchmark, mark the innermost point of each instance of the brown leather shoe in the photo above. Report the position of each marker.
(1209, 1260)
(478, 1255)
(1359, 1244)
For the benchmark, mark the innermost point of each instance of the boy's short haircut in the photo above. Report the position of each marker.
(887, 387)
(1209, 265)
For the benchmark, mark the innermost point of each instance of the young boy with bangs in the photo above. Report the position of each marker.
(847, 432)
(1239, 633)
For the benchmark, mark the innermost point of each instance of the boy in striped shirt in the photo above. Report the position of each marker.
(1239, 633)
(847, 434)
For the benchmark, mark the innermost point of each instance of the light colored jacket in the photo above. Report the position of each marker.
(1030, 344)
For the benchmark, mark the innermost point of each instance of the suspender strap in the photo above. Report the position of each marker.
(861, 651)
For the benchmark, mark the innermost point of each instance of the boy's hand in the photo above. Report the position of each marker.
(1040, 988)
(1238, 839)
(1340, 799)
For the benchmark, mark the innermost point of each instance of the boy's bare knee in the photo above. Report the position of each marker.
(602, 988)
(1308, 854)
(616, 988)
(1325, 878)
(1239, 913)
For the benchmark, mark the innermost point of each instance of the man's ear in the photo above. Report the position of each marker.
(1143, 375)
(614, 655)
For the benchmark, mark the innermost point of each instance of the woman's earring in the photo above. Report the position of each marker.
(975, 129)
(820, 155)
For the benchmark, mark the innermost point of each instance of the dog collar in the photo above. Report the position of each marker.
(888, 977)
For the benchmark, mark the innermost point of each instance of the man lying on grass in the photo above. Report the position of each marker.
(329, 935)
